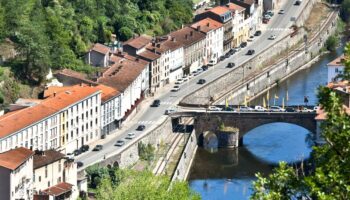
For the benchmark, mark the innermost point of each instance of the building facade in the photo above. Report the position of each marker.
(98, 55)
(16, 173)
(335, 69)
(240, 25)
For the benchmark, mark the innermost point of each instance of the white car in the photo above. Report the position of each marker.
(277, 109)
(272, 37)
(212, 63)
(214, 108)
(130, 136)
(176, 88)
(260, 109)
(245, 109)
(70, 156)
(179, 81)
(251, 39)
(169, 111)
(281, 12)
(305, 110)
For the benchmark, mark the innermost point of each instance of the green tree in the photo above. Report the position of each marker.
(330, 177)
(345, 10)
(135, 185)
(125, 33)
(332, 42)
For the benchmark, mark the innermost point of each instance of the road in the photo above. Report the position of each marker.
(279, 25)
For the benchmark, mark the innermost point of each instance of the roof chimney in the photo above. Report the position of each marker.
(54, 94)
(198, 28)
(208, 24)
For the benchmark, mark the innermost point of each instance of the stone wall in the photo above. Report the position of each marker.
(184, 165)
(228, 82)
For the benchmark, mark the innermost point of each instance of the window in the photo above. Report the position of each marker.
(48, 184)
(39, 178)
(59, 180)
(46, 172)
(59, 167)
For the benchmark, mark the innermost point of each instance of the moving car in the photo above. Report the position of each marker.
(290, 109)
(176, 88)
(297, 3)
(251, 52)
(260, 109)
(141, 127)
(305, 109)
(281, 12)
(119, 143)
(214, 108)
(230, 65)
(272, 37)
(156, 103)
(169, 111)
(130, 136)
(98, 148)
(201, 81)
(277, 109)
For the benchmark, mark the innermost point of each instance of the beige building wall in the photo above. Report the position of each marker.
(49, 175)
(21, 183)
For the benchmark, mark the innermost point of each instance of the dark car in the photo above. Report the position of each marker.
(230, 65)
(257, 33)
(201, 81)
(243, 44)
(98, 147)
(141, 128)
(227, 55)
(251, 52)
(80, 164)
(156, 103)
(297, 3)
(84, 148)
(232, 51)
(222, 58)
(205, 67)
(290, 109)
(77, 152)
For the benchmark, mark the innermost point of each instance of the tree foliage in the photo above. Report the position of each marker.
(135, 185)
(330, 177)
(56, 34)
(146, 151)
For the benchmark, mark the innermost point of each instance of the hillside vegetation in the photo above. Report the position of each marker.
(57, 33)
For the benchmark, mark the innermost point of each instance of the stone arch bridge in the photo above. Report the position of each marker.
(245, 121)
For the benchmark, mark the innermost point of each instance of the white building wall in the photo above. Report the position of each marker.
(21, 181)
(214, 44)
(176, 63)
(334, 71)
(48, 176)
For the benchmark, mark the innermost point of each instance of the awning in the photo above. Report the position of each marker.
(59, 189)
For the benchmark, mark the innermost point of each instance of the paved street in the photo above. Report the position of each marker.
(150, 117)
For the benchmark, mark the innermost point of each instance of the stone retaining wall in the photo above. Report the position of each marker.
(184, 165)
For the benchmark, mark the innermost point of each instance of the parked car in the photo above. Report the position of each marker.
(222, 58)
(156, 103)
(214, 108)
(251, 38)
(185, 78)
(70, 156)
(200, 70)
(260, 109)
(195, 73)
(272, 37)
(141, 127)
(281, 12)
(251, 52)
(297, 3)
(179, 81)
(245, 109)
(77, 152)
(237, 49)
(232, 51)
(98, 148)
(84, 148)
(230, 65)
(80, 164)
(201, 81)
(212, 63)
(175, 88)
(270, 12)
(130, 136)
(169, 111)
(119, 143)
(290, 109)
(205, 67)
(227, 55)
(243, 44)
(277, 109)
(257, 33)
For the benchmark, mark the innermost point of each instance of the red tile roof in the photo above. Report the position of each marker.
(121, 74)
(187, 36)
(14, 158)
(107, 92)
(233, 6)
(206, 25)
(219, 10)
(138, 42)
(100, 48)
(150, 55)
(58, 189)
(43, 158)
(337, 62)
(16, 121)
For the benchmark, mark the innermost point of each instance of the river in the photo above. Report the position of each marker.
(228, 173)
